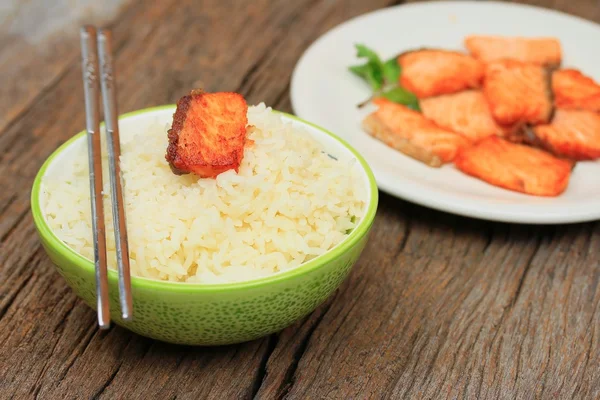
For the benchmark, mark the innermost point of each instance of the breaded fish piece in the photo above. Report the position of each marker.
(515, 167)
(431, 72)
(544, 51)
(208, 134)
(574, 90)
(573, 133)
(518, 92)
(466, 112)
(411, 133)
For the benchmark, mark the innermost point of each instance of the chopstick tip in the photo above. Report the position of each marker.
(104, 34)
(88, 30)
(103, 324)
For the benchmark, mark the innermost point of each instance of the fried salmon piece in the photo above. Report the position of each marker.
(573, 133)
(411, 133)
(466, 112)
(518, 92)
(208, 134)
(515, 167)
(431, 72)
(574, 90)
(544, 51)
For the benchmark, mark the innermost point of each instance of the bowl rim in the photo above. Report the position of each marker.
(148, 283)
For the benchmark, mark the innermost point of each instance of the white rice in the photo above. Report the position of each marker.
(289, 203)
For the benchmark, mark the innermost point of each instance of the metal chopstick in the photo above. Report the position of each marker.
(109, 96)
(92, 110)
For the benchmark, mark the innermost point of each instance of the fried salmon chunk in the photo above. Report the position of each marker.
(573, 133)
(466, 112)
(411, 133)
(515, 167)
(539, 51)
(574, 90)
(518, 92)
(208, 134)
(429, 73)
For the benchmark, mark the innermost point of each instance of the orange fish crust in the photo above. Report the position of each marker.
(466, 112)
(573, 133)
(411, 133)
(431, 72)
(540, 51)
(518, 92)
(208, 134)
(515, 167)
(574, 90)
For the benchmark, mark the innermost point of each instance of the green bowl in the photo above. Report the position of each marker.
(212, 314)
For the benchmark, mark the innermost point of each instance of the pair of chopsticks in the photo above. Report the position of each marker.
(97, 63)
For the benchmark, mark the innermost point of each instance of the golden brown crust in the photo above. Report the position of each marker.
(373, 126)
(208, 134)
(410, 132)
(173, 134)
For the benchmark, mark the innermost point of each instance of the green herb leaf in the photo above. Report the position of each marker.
(364, 51)
(360, 70)
(374, 77)
(402, 96)
(383, 77)
(372, 71)
(369, 72)
(392, 70)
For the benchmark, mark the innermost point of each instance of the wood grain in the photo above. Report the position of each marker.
(439, 306)
(38, 43)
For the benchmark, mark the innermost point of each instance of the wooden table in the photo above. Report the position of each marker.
(439, 306)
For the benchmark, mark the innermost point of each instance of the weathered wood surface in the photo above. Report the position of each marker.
(438, 307)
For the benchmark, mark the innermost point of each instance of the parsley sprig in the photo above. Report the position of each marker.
(383, 78)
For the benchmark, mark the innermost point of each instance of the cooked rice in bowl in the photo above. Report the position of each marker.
(290, 202)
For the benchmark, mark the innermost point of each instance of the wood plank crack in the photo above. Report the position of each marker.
(290, 376)
(590, 343)
(471, 349)
(37, 386)
(262, 369)
(526, 270)
(20, 218)
(106, 384)
(404, 240)
(6, 306)
(12, 298)
(489, 236)
(8, 203)
(89, 335)
(246, 84)
(507, 309)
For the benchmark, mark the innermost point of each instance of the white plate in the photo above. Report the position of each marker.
(325, 92)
